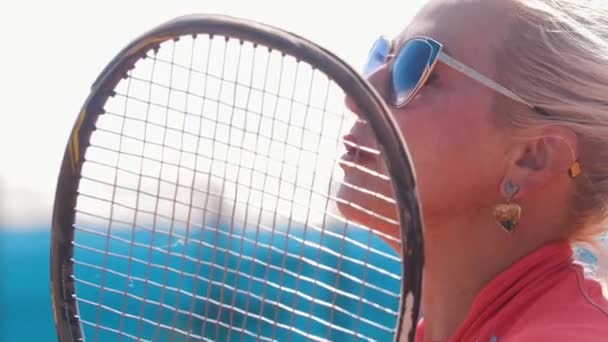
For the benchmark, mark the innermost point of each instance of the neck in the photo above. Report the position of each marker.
(459, 262)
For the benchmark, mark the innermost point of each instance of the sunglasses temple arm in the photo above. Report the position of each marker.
(472, 73)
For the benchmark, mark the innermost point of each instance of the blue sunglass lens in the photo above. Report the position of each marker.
(408, 69)
(377, 56)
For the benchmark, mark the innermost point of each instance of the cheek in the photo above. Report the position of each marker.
(453, 157)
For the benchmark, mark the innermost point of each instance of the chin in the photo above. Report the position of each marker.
(353, 205)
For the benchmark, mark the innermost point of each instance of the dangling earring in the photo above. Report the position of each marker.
(508, 214)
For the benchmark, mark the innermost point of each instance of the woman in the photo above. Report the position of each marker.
(508, 134)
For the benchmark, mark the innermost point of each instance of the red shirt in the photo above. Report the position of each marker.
(542, 297)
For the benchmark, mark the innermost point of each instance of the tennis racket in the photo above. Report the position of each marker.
(208, 193)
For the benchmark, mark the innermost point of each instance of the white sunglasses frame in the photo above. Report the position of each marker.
(456, 65)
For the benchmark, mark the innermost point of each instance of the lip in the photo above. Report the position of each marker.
(356, 154)
(350, 143)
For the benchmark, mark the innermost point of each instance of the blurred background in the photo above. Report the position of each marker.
(52, 52)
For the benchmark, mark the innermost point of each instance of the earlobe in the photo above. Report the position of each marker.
(523, 177)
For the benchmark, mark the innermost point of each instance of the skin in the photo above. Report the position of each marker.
(462, 159)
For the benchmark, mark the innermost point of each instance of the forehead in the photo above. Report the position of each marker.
(471, 30)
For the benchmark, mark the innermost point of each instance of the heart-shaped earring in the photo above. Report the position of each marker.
(508, 214)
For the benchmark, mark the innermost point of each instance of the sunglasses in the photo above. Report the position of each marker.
(413, 63)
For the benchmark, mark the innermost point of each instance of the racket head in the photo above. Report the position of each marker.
(376, 114)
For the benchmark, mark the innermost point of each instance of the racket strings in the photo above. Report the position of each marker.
(268, 92)
(238, 182)
(153, 236)
(107, 243)
(258, 266)
(289, 227)
(256, 244)
(175, 194)
(309, 261)
(194, 276)
(375, 221)
(231, 235)
(260, 226)
(199, 248)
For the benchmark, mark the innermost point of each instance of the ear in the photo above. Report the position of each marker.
(540, 157)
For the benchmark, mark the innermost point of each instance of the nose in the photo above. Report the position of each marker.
(352, 106)
(379, 80)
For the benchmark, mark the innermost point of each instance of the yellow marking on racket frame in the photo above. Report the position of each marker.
(75, 146)
(71, 156)
(149, 41)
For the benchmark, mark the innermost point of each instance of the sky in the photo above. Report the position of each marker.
(52, 51)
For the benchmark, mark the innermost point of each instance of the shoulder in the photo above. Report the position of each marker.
(562, 333)
(573, 310)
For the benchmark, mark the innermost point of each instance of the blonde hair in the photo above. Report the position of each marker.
(555, 55)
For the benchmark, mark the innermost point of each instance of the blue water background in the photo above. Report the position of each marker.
(25, 300)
